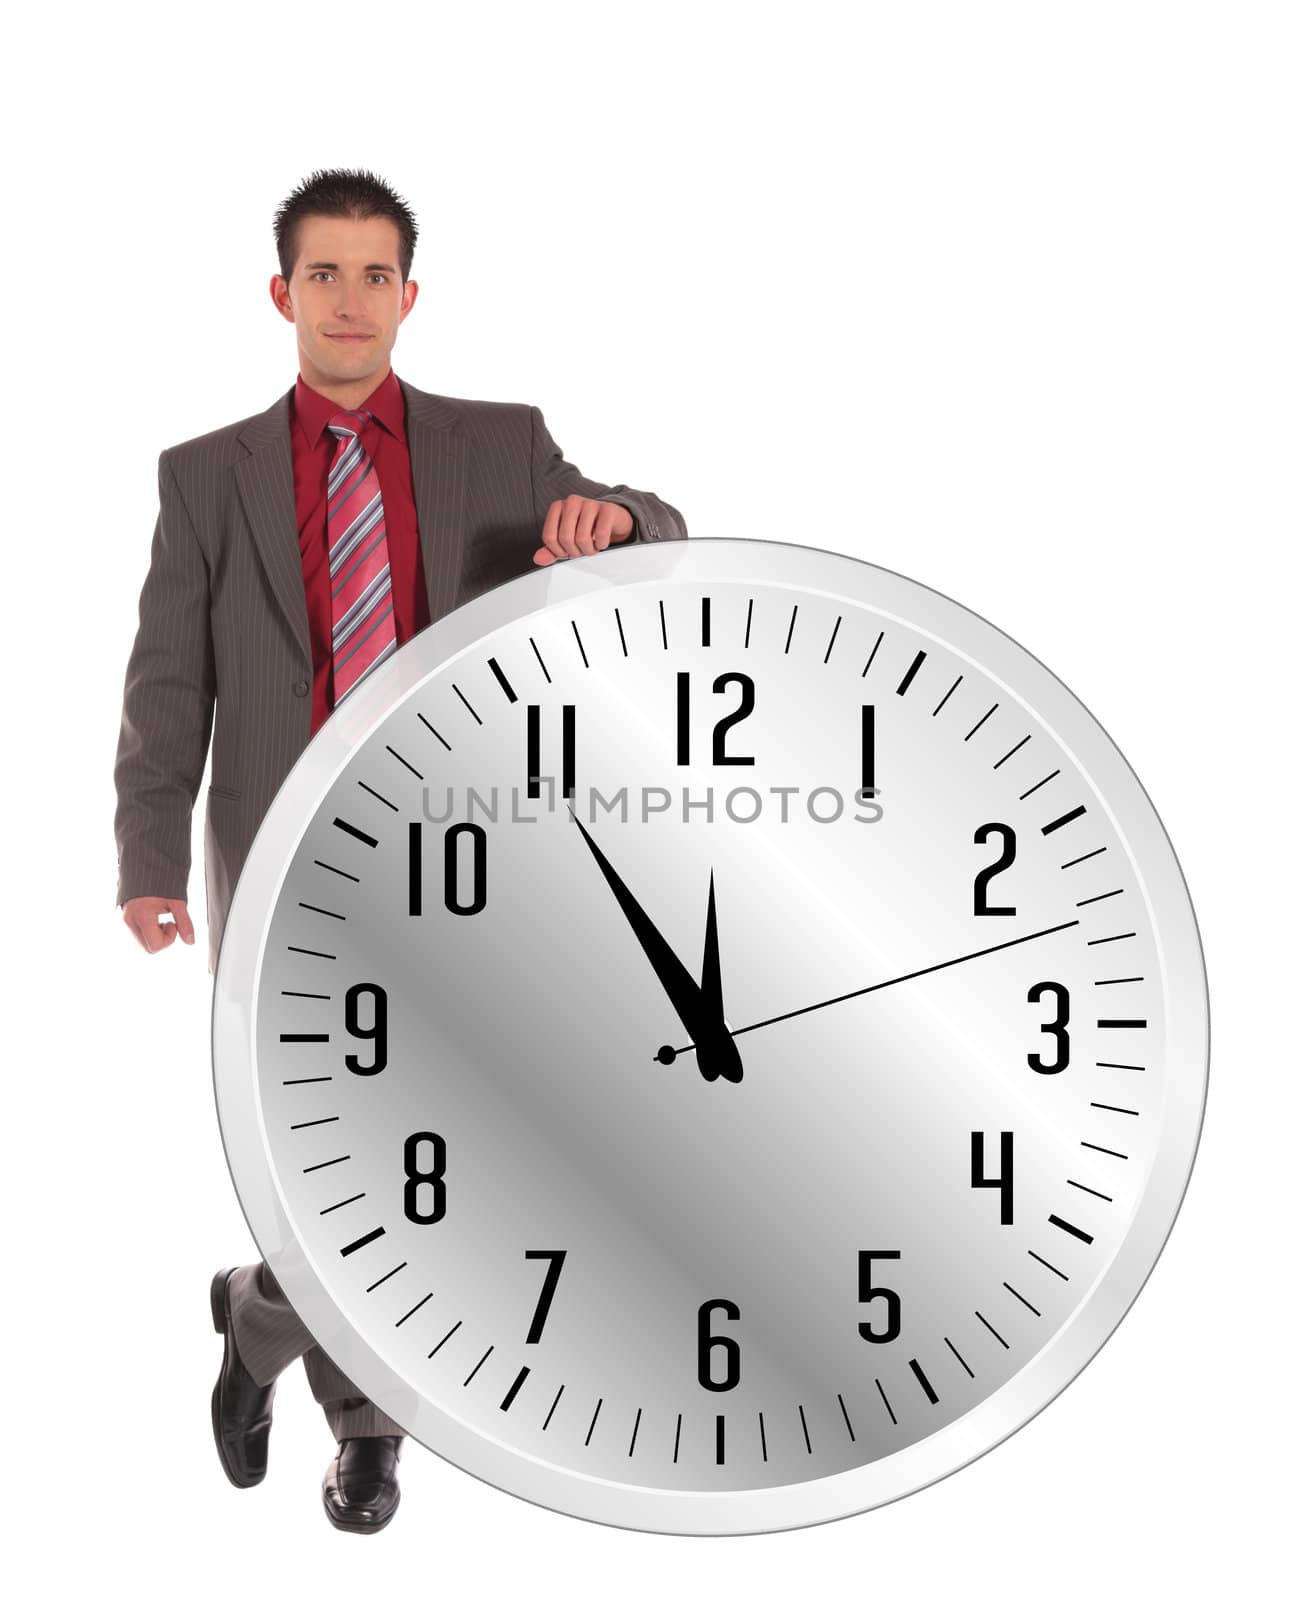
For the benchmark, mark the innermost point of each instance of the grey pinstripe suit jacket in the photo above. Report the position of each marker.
(222, 614)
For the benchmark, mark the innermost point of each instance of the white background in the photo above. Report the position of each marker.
(1000, 296)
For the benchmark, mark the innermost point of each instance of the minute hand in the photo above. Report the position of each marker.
(698, 1010)
(905, 977)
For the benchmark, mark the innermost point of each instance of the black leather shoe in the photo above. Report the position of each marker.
(361, 1493)
(240, 1405)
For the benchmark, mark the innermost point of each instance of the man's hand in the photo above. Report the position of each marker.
(141, 917)
(578, 526)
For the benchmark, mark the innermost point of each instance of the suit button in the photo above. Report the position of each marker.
(301, 687)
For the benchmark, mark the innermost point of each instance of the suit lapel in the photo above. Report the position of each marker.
(439, 452)
(265, 480)
(439, 477)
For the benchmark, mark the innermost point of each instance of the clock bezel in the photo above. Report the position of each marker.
(796, 569)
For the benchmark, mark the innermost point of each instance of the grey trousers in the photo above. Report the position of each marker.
(270, 1335)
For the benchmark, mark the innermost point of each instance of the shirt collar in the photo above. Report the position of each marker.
(314, 410)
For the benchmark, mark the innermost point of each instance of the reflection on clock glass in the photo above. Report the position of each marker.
(710, 1036)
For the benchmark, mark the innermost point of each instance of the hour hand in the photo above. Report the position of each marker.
(718, 1055)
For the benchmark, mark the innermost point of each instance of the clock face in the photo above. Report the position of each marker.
(711, 1038)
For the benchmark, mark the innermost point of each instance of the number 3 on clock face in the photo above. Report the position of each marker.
(711, 1038)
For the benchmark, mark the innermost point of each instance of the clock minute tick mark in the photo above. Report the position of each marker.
(407, 765)
(990, 1329)
(1057, 1271)
(320, 1165)
(464, 701)
(418, 1305)
(959, 1358)
(380, 797)
(576, 633)
(478, 1367)
(1021, 1297)
(1049, 776)
(979, 722)
(322, 911)
(378, 1282)
(1097, 1193)
(832, 637)
(1009, 753)
(443, 1339)
(940, 703)
(555, 1402)
(432, 731)
(594, 1419)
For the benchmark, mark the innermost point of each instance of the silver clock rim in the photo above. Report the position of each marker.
(1023, 676)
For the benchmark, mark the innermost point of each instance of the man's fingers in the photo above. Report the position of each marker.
(142, 915)
(576, 526)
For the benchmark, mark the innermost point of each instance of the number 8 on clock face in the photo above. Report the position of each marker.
(712, 1037)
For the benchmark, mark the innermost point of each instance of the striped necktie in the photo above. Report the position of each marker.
(364, 627)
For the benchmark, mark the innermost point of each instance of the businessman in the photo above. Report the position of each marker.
(293, 553)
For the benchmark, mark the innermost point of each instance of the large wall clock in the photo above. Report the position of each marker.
(712, 1037)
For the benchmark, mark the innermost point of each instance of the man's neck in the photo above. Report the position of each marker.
(345, 396)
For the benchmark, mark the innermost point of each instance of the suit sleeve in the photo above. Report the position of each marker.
(167, 708)
(552, 478)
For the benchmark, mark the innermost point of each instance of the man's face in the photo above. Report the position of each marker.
(345, 298)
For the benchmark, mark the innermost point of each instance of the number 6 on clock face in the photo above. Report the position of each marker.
(711, 1037)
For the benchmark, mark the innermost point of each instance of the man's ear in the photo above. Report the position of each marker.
(281, 299)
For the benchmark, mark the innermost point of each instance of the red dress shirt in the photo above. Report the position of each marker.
(313, 451)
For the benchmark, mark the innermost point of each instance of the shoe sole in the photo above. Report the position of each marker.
(220, 1321)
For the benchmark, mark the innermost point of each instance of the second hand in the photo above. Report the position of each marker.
(972, 955)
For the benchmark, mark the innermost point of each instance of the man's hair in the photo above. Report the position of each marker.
(342, 192)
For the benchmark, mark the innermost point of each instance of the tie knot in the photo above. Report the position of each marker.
(347, 424)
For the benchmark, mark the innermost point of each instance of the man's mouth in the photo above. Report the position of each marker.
(350, 338)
